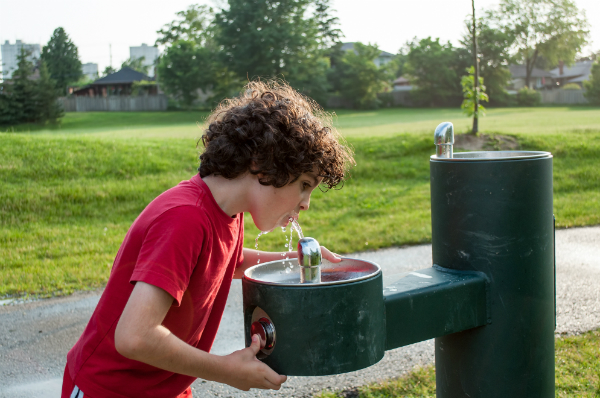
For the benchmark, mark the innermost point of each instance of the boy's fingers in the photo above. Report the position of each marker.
(274, 382)
(328, 255)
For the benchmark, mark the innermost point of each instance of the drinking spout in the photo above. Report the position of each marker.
(309, 259)
(444, 140)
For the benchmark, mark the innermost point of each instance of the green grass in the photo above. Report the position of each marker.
(68, 196)
(577, 374)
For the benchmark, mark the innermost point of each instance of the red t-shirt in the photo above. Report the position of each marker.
(185, 244)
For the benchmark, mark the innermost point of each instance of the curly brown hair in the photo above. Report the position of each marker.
(275, 132)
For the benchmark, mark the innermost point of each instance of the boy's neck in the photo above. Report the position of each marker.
(230, 195)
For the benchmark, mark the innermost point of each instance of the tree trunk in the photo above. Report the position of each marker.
(475, 129)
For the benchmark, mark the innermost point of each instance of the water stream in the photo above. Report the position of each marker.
(294, 225)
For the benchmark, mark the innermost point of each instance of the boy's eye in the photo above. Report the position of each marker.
(306, 185)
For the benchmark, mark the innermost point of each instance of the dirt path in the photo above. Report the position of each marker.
(35, 337)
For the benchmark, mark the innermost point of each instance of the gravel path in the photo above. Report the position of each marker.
(34, 337)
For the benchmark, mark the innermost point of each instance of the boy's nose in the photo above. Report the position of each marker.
(305, 204)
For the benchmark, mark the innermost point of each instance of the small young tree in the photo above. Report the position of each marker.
(592, 86)
(473, 96)
(62, 58)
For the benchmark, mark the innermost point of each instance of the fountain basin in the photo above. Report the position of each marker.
(331, 327)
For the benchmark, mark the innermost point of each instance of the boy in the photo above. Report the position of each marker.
(153, 328)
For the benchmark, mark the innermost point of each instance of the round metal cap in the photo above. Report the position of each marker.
(492, 155)
(287, 272)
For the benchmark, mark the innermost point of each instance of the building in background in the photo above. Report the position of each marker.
(10, 53)
(120, 83)
(90, 70)
(150, 54)
(577, 73)
(384, 56)
(540, 79)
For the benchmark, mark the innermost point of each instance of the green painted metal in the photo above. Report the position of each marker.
(433, 302)
(495, 217)
(320, 330)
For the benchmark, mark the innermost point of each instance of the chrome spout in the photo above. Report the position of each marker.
(444, 140)
(309, 260)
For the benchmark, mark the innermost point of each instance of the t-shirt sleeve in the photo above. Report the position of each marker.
(170, 251)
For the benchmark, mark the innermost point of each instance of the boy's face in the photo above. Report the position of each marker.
(273, 207)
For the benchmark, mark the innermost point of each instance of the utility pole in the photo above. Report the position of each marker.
(110, 54)
(476, 77)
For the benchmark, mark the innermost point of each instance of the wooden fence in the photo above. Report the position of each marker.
(115, 103)
(567, 97)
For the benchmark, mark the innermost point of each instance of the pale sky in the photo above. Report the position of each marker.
(93, 24)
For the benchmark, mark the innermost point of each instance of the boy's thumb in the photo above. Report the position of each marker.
(255, 346)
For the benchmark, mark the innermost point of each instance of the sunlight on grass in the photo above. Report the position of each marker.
(61, 189)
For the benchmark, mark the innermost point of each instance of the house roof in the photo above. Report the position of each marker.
(401, 81)
(350, 46)
(518, 71)
(580, 71)
(125, 75)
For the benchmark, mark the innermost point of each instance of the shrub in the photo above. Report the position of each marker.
(592, 86)
(571, 86)
(528, 97)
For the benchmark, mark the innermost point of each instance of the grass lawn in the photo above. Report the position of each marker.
(577, 374)
(68, 195)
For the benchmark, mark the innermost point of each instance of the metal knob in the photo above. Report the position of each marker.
(444, 140)
(265, 329)
(309, 259)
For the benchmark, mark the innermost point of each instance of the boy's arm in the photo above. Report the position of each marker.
(252, 257)
(140, 336)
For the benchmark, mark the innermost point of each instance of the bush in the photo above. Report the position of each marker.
(571, 86)
(528, 97)
(592, 86)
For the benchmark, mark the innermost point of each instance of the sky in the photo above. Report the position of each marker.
(109, 27)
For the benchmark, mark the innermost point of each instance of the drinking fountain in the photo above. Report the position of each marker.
(488, 299)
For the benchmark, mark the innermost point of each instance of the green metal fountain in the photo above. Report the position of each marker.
(488, 299)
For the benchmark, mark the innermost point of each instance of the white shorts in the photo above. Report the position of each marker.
(77, 393)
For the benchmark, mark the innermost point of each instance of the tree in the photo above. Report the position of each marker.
(592, 86)
(194, 24)
(278, 39)
(554, 29)
(473, 95)
(50, 111)
(358, 79)
(435, 70)
(136, 64)
(20, 94)
(185, 68)
(25, 100)
(329, 32)
(189, 63)
(108, 70)
(62, 58)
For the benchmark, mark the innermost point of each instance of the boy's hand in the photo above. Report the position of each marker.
(327, 255)
(245, 371)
